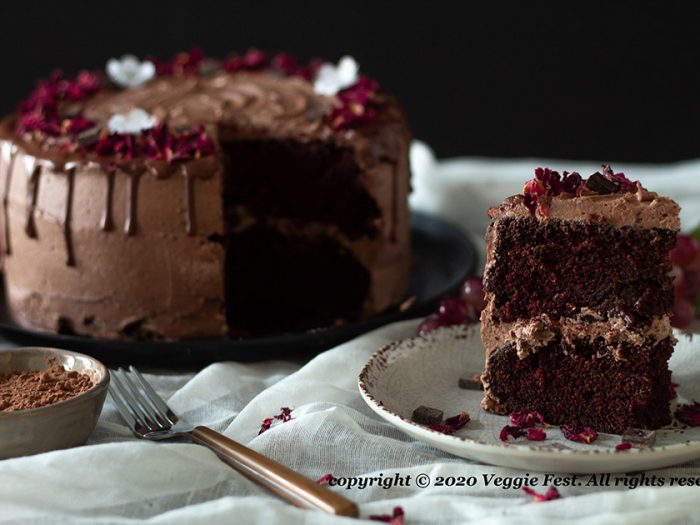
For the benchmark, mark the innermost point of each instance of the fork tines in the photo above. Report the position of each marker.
(140, 406)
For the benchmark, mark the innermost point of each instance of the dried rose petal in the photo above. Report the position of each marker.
(76, 125)
(284, 416)
(458, 421)
(285, 63)
(514, 432)
(551, 494)
(672, 391)
(309, 71)
(266, 424)
(234, 63)
(39, 112)
(525, 419)
(536, 434)
(325, 479)
(586, 435)
(451, 424)
(548, 182)
(534, 187)
(550, 179)
(625, 445)
(356, 105)
(185, 63)
(157, 143)
(571, 182)
(396, 518)
(87, 83)
(255, 60)
(689, 414)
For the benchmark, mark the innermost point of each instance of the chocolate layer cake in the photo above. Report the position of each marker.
(191, 198)
(578, 295)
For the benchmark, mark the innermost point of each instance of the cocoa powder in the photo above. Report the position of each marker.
(25, 390)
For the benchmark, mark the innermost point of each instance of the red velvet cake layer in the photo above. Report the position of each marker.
(559, 268)
(585, 384)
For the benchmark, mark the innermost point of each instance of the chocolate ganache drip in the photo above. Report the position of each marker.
(107, 223)
(66, 124)
(32, 196)
(67, 214)
(9, 157)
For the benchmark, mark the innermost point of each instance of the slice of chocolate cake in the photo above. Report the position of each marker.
(578, 296)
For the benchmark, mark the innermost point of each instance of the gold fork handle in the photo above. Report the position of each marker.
(283, 481)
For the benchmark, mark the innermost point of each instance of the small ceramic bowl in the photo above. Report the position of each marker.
(61, 425)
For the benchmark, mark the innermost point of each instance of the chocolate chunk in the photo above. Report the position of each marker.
(639, 437)
(182, 128)
(471, 382)
(89, 136)
(209, 67)
(69, 111)
(602, 185)
(427, 415)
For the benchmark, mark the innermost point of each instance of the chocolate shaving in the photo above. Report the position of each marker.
(70, 111)
(639, 437)
(602, 185)
(89, 136)
(210, 67)
(470, 381)
(427, 415)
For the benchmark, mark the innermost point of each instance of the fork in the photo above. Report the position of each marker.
(149, 417)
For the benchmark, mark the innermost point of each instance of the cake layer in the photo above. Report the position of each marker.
(583, 383)
(280, 281)
(566, 268)
(314, 181)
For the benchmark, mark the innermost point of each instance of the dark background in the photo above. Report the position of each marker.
(585, 81)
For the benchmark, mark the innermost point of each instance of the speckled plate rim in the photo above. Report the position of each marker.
(472, 448)
(91, 392)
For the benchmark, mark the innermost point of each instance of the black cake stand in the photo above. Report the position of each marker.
(443, 258)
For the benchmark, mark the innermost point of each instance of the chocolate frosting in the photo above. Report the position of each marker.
(113, 247)
(266, 104)
(640, 209)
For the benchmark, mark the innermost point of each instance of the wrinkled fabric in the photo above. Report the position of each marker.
(117, 479)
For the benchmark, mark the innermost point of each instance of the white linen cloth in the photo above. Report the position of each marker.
(117, 479)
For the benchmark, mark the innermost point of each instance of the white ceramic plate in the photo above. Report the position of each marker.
(425, 371)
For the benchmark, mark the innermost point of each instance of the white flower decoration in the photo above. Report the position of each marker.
(132, 122)
(129, 71)
(330, 79)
